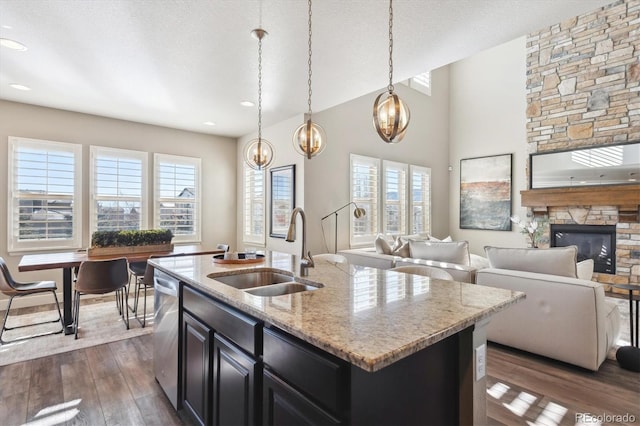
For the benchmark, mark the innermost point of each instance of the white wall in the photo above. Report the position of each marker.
(487, 117)
(218, 164)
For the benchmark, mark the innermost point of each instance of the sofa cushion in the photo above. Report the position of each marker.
(559, 261)
(453, 252)
(382, 245)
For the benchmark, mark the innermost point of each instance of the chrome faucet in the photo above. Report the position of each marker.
(305, 259)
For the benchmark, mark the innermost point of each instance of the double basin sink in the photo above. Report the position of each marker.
(265, 283)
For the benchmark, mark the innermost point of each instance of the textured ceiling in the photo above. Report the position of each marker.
(178, 63)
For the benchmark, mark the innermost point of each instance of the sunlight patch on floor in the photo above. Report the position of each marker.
(56, 414)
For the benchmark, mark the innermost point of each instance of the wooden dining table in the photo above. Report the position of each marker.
(67, 261)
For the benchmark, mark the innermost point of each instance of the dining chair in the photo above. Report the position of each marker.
(10, 287)
(427, 271)
(101, 277)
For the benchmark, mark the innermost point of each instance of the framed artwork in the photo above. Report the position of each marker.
(283, 199)
(485, 193)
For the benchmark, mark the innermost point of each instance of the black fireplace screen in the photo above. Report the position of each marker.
(597, 242)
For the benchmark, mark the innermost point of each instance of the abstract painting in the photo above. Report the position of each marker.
(485, 193)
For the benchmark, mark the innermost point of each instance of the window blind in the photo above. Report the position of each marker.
(254, 206)
(44, 186)
(177, 196)
(394, 200)
(364, 192)
(420, 199)
(118, 186)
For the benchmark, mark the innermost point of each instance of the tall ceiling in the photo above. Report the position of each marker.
(179, 63)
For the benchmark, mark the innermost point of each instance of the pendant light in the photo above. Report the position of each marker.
(309, 139)
(258, 153)
(391, 116)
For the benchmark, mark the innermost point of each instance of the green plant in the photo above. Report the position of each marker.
(131, 238)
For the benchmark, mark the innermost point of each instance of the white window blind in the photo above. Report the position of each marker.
(364, 192)
(177, 199)
(118, 189)
(44, 195)
(254, 206)
(394, 198)
(420, 199)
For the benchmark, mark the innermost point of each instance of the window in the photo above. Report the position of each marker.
(420, 200)
(44, 184)
(118, 189)
(400, 205)
(394, 198)
(254, 206)
(364, 192)
(177, 196)
(420, 82)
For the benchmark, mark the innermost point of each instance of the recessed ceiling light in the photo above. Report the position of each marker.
(247, 103)
(12, 44)
(19, 86)
(209, 123)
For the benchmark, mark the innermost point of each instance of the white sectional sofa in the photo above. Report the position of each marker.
(563, 317)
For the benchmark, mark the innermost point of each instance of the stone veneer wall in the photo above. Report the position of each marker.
(583, 89)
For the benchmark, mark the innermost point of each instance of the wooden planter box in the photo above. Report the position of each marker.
(125, 250)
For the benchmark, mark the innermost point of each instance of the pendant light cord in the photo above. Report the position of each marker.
(390, 87)
(309, 61)
(259, 90)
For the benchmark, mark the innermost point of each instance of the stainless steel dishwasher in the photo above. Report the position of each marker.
(165, 334)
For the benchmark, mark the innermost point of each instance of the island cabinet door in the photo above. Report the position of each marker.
(234, 385)
(196, 368)
(284, 405)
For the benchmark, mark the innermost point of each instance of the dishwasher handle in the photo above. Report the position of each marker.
(166, 285)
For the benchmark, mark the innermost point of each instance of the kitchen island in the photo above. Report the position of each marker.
(360, 346)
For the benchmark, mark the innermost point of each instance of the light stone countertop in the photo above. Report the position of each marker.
(368, 317)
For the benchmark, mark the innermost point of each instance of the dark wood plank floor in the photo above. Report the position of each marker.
(113, 384)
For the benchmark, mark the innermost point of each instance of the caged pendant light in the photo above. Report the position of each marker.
(309, 139)
(258, 153)
(391, 116)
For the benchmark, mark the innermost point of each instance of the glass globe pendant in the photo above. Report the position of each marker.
(390, 116)
(309, 139)
(258, 153)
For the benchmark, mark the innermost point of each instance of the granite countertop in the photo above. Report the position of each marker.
(368, 317)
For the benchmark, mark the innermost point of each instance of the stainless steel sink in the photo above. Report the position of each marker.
(253, 279)
(280, 289)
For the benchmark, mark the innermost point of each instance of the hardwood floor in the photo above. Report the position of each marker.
(113, 384)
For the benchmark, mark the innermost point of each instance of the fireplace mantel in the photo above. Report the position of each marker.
(625, 197)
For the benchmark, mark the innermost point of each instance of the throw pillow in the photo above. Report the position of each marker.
(453, 252)
(382, 245)
(584, 269)
(555, 261)
(446, 240)
(403, 250)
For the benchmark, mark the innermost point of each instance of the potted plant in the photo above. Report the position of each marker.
(127, 242)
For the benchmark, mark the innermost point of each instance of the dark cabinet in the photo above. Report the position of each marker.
(302, 385)
(284, 405)
(196, 368)
(221, 368)
(234, 385)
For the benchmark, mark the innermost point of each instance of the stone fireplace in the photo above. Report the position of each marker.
(583, 80)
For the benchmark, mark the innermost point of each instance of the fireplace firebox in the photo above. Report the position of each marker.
(597, 242)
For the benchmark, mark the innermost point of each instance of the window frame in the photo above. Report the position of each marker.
(373, 217)
(402, 201)
(176, 160)
(143, 156)
(14, 244)
(250, 200)
(425, 171)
